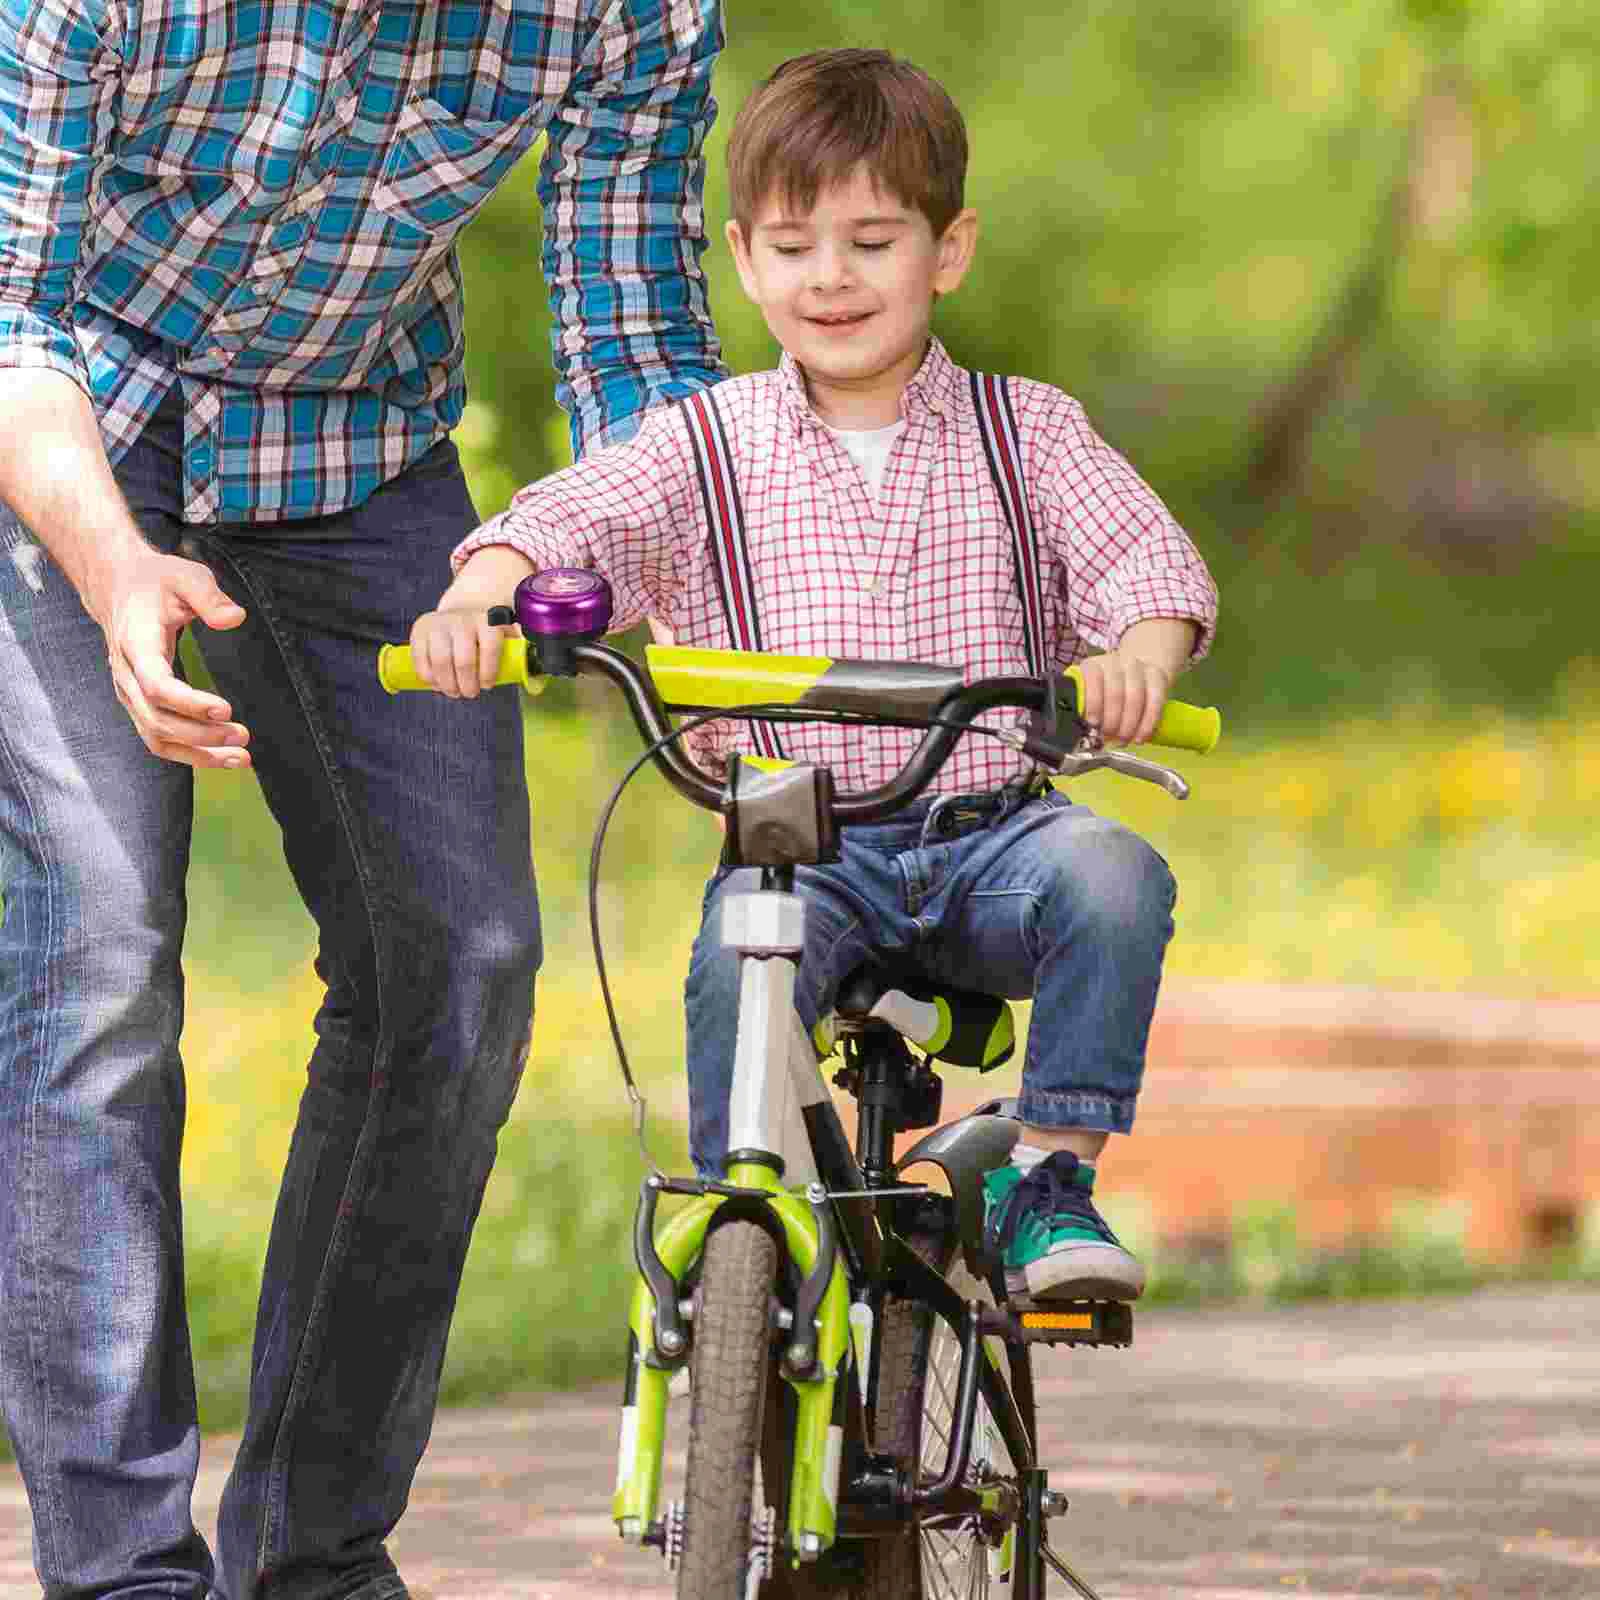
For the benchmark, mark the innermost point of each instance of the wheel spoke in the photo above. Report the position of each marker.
(943, 1434)
(957, 1563)
(951, 1550)
(938, 1370)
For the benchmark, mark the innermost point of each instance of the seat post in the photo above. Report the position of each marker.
(880, 1058)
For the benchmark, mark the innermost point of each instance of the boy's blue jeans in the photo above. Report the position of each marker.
(1045, 900)
(405, 824)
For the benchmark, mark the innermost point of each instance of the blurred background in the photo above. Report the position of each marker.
(1325, 274)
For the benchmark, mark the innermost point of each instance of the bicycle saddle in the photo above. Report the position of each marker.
(960, 1026)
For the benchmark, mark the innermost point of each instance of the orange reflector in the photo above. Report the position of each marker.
(1059, 1319)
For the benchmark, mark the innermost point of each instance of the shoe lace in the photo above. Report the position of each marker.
(1051, 1187)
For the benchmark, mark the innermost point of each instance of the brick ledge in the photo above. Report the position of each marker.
(1475, 1021)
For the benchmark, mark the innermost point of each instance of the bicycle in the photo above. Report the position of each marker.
(862, 1416)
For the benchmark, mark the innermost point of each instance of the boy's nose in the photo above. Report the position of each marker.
(829, 269)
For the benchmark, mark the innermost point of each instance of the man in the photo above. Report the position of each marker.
(230, 357)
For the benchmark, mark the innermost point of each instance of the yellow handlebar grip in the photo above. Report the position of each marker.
(1185, 727)
(1181, 726)
(396, 672)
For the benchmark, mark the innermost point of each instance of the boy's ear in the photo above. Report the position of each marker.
(956, 247)
(737, 243)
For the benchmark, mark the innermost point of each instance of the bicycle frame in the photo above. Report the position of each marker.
(780, 1112)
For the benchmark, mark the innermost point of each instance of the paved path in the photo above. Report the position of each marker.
(1446, 1448)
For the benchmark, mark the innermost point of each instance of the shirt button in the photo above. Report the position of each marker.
(870, 586)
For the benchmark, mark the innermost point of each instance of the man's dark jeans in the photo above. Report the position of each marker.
(405, 824)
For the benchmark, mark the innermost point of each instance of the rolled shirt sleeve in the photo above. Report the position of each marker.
(1122, 556)
(53, 112)
(631, 511)
(621, 184)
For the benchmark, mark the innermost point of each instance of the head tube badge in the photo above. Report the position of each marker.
(778, 819)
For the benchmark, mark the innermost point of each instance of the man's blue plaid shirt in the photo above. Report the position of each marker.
(259, 199)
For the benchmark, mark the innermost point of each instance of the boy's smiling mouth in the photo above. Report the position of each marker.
(838, 319)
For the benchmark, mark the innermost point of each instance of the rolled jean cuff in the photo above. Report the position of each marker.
(1076, 1108)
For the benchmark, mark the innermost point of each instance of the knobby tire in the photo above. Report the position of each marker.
(728, 1370)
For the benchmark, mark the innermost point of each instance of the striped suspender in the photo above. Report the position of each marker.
(725, 524)
(991, 399)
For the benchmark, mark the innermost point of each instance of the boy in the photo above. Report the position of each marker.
(874, 526)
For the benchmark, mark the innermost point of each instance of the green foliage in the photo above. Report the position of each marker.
(1425, 1250)
(1179, 204)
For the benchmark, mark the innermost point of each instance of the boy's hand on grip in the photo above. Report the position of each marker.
(1123, 696)
(457, 650)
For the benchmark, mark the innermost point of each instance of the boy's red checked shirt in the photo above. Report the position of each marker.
(921, 572)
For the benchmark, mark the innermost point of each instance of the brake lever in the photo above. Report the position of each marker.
(1092, 757)
(1062, 741)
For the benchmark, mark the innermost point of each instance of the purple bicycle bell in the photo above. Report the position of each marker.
(561, 607)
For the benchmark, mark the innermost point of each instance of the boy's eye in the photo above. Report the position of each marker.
(789, 249)
(873, 244)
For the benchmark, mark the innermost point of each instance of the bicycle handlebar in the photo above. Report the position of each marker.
(563, 611)
(956, 709)
(887, 693)
(692, 679)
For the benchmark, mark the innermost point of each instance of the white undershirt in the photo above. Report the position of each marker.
(869, 449)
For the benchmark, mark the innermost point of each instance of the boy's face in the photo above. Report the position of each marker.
(848, 289)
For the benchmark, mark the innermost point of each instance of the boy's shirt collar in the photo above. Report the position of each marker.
(934, 388)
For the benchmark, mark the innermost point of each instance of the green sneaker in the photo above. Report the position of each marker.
(1053, 1243)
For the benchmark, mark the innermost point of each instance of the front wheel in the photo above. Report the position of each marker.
(728, 1382)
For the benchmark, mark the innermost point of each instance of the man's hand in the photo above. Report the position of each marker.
(1124, 690)
(454, 648)
(54, 475)
(142, 607)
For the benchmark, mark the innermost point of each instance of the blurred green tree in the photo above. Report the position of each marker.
(1322, 271)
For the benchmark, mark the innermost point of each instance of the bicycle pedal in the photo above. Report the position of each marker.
(1071, 1322)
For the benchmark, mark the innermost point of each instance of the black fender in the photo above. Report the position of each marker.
(964, 1151)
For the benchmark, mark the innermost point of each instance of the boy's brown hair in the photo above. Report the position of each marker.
(820, 116)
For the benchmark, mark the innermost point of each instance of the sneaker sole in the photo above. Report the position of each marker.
(1079, 1272)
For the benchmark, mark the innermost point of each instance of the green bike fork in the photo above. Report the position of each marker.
(818, 1437)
